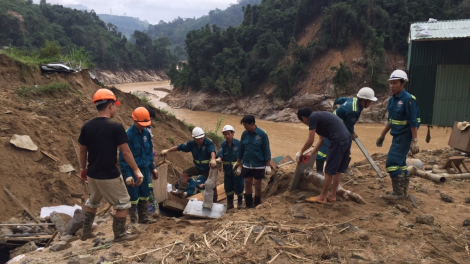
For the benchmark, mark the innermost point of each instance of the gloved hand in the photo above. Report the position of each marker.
(236, 165)
(185, 194)
(298, 156)
(140, 177)
(213, 163)
(219, 160)
(267, 170)
(83, 174)
(353, 136)
(380, 141)
(164, 152)
(155, 174)
(414, 148)
(238, 171)
(130, 181)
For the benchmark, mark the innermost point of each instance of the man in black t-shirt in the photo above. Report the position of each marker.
(327, 125)
(99, 140)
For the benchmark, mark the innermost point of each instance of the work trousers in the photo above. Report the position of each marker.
(141, 192)
(396, 160)
(232, 184)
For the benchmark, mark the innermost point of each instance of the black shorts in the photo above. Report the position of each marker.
(337, 156)
(258, 174)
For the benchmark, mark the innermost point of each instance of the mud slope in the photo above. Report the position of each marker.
(50, 120)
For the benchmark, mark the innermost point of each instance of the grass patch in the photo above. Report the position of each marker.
(42, 90)
(215, 135)
(143, 97)
(171, 140)
(189, 125)
(166, 112)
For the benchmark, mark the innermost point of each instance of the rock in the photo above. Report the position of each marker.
(359, 256)
(23, 142)
(76, 223)
(59, 246)
(13, 221)
(426, 219)
(403, 209)
(447, 198)
(297, 211)
(194, 237)
(66, 168)
(305, 100)
(466, 222)
(363, 235)
(68, 238)
(61, 221)
(28, 247)
(467, 200)
(81, 259)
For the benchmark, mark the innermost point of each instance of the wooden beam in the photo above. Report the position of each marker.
(26, 209)
(220, 193)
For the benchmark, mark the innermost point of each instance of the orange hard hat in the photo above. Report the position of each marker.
(141, 116)
(104, 95)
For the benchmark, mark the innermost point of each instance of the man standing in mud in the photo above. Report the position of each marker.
(403, 121)
(99, 140)
(327, 125)
(253, 159)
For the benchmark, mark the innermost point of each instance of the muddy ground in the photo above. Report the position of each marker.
(284, 228)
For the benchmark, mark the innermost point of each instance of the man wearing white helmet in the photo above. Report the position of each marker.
(403, 121)
(228, 154)
(203, 151)
(349, 111)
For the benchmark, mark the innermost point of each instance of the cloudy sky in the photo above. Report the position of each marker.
(151, 10)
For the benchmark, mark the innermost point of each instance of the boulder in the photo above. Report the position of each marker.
(305, 100)
(76, 223)
(447, 198)
(28, 247)
(426, 219)
(61, 221)
(59, 246)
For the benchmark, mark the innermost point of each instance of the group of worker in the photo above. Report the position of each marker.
(336, 131)
(245, 162)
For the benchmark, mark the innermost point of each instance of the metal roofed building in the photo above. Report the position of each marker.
(439, 70)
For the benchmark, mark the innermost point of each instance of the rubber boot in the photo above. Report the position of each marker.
(257, 201)
(406, 183)
(87, 226)
(143, 210)
(240, 201)
(398, 188)
(230, 202)
(248, 201)
(119, 230)
(132, 214)
(154, 205)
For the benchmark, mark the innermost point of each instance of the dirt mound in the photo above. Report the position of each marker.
(50, 120)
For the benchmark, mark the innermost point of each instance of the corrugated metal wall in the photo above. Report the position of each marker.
(424, 58)
(452, 96)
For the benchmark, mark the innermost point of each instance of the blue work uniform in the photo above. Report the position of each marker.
(141, 146)
(349, 111)
(254, 149)
(191, 187)
(229, 154)
(201, 179)
(403, 114)
(202, 155)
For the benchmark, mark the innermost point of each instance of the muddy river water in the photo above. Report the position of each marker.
(284, 138)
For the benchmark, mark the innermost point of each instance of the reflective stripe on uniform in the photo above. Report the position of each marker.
(397, 122)
(403, 168)
(228, 162)
(354, 104)
(144, 198)
(321, 154)
(392, 168)
(230, 193)
(202, 161)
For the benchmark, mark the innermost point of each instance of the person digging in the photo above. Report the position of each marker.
(140, 143)
(99, 138)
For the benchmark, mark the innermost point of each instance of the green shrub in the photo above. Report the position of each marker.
(144, 98)
(42, 90)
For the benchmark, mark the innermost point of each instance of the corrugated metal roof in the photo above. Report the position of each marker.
(447, 29)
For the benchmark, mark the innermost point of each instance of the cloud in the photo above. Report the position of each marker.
(150, 10)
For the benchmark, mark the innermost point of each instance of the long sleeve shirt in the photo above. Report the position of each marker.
(201, 155)
(403, 113)
(141, 146)
(254, 149)
(229, 154)
(191, 187)
(349, 111)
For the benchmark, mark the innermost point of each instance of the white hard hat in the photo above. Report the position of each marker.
(367, 93)
(228, 128)
(198, 132)
(398, 75)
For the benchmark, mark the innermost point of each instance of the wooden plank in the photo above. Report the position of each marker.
(160, 186)
(220, 194)
(28, 238)
(26, 209)
(173, 205)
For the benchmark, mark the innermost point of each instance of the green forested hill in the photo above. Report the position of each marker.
(177, 29)
(263, 47)
(125, 24)
(28, 26)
